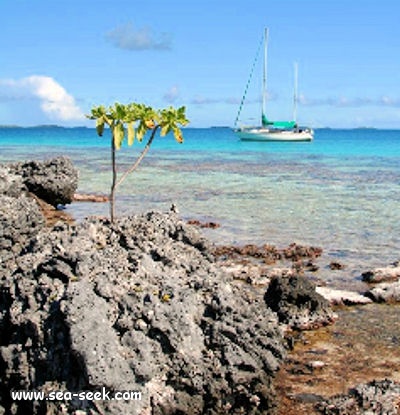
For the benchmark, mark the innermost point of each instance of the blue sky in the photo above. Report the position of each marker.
(61, 57)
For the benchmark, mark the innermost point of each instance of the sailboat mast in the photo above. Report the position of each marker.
(295, 92)
(264, 85)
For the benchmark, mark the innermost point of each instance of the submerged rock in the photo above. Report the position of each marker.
(211, 225)
(136, 305)
(301, 257)
(296, 252)
(336, 266)
(267, 254)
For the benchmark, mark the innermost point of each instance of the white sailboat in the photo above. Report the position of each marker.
(275, 130)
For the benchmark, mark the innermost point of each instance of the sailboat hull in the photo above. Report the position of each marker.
(266, 134)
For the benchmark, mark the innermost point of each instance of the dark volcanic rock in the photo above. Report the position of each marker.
(138, 305)
(20, 220)
(375, 398)
(297, 303)
(54, 181)
(11, 184)
(21, 215)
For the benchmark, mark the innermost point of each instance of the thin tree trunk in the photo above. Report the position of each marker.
(139, 159)
(114, 180)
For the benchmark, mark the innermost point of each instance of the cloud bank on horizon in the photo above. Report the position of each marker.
(60, 106)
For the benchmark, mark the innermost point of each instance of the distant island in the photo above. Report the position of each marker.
(42, 126)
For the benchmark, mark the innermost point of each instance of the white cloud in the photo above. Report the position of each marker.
(172, 95)
(127, 37)
(54, 100)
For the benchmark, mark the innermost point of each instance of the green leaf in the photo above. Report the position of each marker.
(100, 126)
(96, 112)
(118, 133)
(141, 131)
(178, 134)
(165, 130)
(181, 117)
(107, 118)
(120, 111)
(131, 133)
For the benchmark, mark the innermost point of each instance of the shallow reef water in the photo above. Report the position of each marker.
(363, 345)
(340, 192)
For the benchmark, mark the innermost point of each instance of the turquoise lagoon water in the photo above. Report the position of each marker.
(340, 192)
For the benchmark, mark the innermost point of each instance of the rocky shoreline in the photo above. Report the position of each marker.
(148, 304)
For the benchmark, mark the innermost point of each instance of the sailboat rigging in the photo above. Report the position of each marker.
(274, 130)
